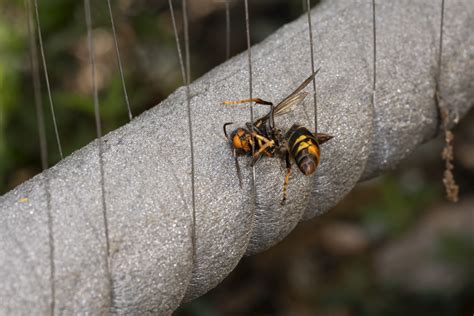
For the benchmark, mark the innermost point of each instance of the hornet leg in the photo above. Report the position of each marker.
(287, 178)
(256, 100)
(264, 144)
(237, 168)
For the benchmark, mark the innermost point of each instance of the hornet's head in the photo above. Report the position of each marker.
(242, 141)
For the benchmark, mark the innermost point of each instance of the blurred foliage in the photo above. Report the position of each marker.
(150, 62)
(328, 266)
(458, 249)
(395, 207)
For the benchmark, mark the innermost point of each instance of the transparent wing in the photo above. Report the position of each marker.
(290, 102)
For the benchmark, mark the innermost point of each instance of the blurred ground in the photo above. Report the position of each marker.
(393, 246)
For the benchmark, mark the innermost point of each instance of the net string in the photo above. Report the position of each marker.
(185, 66)
(46, 77)
(43, 148)
(98, 125)
(190, 122)
(227, 29)
(440, 48)
(119, 62)
(249, 57)
(178, 45)
(374, 61)
(310, 28)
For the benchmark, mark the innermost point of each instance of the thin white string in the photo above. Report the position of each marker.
(43, 149)
(249, 55)
(374, 67)
(190, 124)
(46, 77)
(310, 28)
(227, 29)
(98, 125)
(440, 54)
(119, 61)
(178, 45)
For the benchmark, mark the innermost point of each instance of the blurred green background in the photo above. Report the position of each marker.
(393, 246)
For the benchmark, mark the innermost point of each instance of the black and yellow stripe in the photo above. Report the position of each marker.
(304, 148)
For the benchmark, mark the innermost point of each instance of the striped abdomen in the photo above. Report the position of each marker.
(303, 148)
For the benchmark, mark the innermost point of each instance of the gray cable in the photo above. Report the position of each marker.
(148, 187)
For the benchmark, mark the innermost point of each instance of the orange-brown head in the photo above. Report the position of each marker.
(242, 141)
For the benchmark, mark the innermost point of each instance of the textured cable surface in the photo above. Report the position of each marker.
(148, 185)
